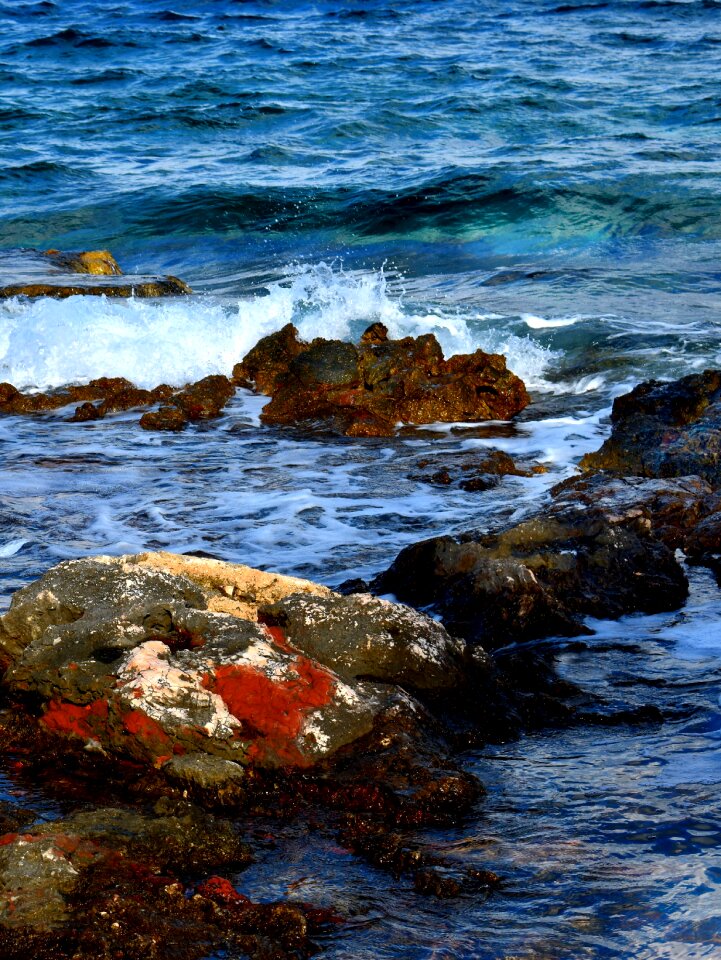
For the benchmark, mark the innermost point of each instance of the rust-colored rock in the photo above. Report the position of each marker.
(206, 398)
(366, 390)
(269, 360)
(95, 262)
(167, 418)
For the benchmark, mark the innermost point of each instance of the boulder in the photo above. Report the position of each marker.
(366, 390)
(665, 430)
(157, 658)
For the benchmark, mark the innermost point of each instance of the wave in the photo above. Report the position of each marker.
(454, 203)
(50, 343)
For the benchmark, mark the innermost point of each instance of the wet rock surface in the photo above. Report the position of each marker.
(52, 273)
(540, 577)
(365, 390)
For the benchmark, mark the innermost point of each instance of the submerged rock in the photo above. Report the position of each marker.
(111, 883)
(476, 471)
(665, 430)
(366, 390)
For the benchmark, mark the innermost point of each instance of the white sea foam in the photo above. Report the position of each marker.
(542, 323)
(11, 548)
(48, 343)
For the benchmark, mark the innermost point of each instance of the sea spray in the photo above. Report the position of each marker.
(49, 343)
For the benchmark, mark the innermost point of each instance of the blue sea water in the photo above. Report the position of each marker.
(537, 177)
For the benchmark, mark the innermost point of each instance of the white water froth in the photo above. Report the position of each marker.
(542, 323)
(49, 343)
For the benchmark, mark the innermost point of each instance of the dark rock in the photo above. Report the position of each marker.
(665, 430)
(539, 577)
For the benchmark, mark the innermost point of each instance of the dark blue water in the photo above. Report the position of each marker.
(541, 178)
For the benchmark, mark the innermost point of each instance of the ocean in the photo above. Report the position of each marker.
(532, 177)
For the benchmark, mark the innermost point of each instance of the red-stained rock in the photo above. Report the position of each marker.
(220, 889)
(128, 657)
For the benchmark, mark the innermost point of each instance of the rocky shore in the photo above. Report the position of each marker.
(178, 698)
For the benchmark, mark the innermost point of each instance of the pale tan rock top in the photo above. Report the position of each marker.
(232, 587)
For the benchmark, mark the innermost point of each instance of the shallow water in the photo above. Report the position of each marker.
(536, 178)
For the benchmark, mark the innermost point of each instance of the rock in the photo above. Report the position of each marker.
(52, 273)
(376, 333)
(42, 868)
(204, 399)
(477, 471)
(125, 397)
(539, 577)
(197, 401)
(366, 390)
(127, 655)
(107, 883)
(670, 510)
(156, 287)
(210, 774)
(361, 636)
(96, 262)
(166, 418)
(665, 430)
(269, 360)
